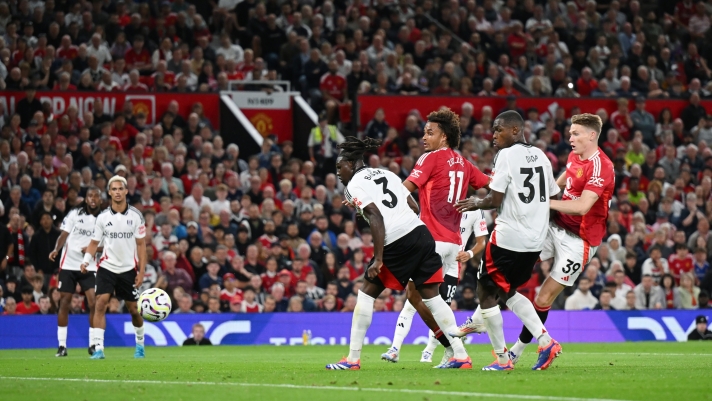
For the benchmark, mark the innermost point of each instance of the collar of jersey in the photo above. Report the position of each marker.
(358, 170)
(111, 209)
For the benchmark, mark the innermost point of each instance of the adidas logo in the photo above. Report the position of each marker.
(109, 225)
(401, 325)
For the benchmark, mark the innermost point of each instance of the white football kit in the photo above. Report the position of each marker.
(119, 231)
(524, 175)
(80, 226)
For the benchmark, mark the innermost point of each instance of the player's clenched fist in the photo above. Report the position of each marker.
(463, 257)
(375, 269)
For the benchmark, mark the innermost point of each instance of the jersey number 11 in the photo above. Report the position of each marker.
(452, 194)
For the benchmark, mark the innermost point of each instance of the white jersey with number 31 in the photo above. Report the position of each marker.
(385, 190)
(524, 175)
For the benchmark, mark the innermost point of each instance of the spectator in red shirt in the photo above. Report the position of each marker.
(134, 84)
(621, 119)
(517, 41)
(587, 83)
(64, 83)
(138, 57)
(612, 142)
(681, 262)
(507, 88)
(333, 88)
(124, 132)
(67, 50)
(27, 306)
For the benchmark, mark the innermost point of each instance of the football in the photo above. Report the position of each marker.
(154, 305)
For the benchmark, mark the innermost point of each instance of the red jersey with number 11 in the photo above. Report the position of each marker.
(593, 174)
(442, 177)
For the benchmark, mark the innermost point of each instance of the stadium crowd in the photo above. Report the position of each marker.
(268, 232)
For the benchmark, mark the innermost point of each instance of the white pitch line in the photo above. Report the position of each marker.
(636, 353)
(315, 387)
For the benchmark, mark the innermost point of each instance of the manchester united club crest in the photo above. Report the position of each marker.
(263, 123)
(579, 173)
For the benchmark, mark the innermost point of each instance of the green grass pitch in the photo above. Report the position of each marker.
(625, 371)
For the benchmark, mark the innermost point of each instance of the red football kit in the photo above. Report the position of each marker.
(594, 174)
(442, 177)
(680, 265)
(334, 85)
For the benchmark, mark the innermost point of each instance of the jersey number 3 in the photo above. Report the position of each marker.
(394, 201)
(528, 184)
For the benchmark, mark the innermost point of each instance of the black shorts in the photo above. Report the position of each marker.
(505, 269)
(121, 284)
(68, 280)
(413, 257)
(448, 288)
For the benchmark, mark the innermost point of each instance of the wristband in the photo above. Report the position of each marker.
(87, 258)
(469, 252)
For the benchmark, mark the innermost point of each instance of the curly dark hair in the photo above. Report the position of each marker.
(353, 149)
(449, 123)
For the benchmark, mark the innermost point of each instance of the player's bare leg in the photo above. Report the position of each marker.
(65, 301)
(102, 303)
(360, 322)
(548, 293)
(445, 318)
(413, 304)
(137, 321)
(91, 303)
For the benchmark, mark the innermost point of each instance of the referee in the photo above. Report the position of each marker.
(121, 268)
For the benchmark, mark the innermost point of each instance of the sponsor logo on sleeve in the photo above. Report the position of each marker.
(596, 181)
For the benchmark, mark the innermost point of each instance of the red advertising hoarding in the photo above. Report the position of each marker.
(397, 107)
(151, 104)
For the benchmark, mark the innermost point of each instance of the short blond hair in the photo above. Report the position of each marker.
(590, 121)
(115, 179)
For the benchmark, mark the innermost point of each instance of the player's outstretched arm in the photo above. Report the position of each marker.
(378, 232)
(141, 250)
(491, 201)
(57, 246)
(410, 186)
(577, 207)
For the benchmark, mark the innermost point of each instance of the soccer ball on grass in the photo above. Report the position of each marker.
(154, 304)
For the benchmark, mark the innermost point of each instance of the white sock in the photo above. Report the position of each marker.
(445, 318)
(62, 336)
(524, 309)
(495, 330)
(98, 338)
(432, 342)
(405, 320)
(363, 312)
(477, 316)
(139, 335)
(518, 347)
(91, 336)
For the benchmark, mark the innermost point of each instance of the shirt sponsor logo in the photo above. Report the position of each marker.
(120, 235)
(416, 173)
(596, 181)
(142, 230)
(81, 231)
(570, 195)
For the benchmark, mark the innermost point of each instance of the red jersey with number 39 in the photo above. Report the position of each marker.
(442, 177)
(594, 174)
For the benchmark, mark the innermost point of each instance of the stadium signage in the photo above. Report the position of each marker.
(334, 328)
(152, 105)
(262, 100)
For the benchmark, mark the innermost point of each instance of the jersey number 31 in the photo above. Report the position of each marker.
(528, 184)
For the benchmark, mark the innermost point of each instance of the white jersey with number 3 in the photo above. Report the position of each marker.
(119, 230)
(472, 223)
(524, 175)
(387, 192)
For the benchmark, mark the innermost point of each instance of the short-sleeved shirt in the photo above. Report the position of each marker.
(334, 85)
(523, 174)
(385, 190)
(119, 231)
(80, 226)
(596, 175)
(472, 223)
(442, 177)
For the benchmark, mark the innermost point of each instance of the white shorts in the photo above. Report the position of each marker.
(571, 254)
(448, 253)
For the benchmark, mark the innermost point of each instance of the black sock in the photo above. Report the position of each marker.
(525, 336)
(442, 338)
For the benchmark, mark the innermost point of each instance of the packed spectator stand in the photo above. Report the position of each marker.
(268, 232)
